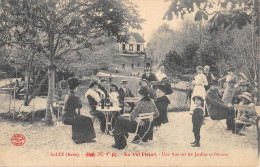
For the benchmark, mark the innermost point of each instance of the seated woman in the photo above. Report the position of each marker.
(82, 126)
(162, 103)
(93, 99)
(124, 125)
(246, 116)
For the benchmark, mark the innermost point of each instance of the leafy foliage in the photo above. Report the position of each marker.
(230, 14)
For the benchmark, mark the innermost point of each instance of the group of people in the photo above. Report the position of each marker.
(153, 89)
(206, 100)
(153, 99)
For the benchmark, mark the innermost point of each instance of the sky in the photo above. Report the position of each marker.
(153, 11)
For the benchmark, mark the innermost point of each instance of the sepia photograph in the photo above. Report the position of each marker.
(124, 83)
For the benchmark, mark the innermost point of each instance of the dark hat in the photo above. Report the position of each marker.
(143, 80)
(73, 83)
(144, 90)
(93, 83)
(199, 97)
(243, 83)
(165, 88)
(124, 82)
(230, 69)
(114, 85)
(199, 68)
(102, 80)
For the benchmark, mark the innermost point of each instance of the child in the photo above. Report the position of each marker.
(197, 119)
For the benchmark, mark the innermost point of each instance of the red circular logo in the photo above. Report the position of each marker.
(18, 139)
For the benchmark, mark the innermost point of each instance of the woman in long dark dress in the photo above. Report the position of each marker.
(82, 126)
(162, 103)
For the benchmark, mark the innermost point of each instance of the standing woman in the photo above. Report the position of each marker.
(199, 82)
(231, 80)
(82, 126)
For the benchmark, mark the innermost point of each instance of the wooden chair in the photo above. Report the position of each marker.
(239, 108)
(142, 116)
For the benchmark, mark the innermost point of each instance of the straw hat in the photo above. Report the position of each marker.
(247, 96)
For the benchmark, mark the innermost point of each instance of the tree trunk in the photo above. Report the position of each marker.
(51, 76)
(39, 87)
(27, 92)
(256, 50)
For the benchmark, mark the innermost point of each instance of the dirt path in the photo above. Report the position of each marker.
(41, 141)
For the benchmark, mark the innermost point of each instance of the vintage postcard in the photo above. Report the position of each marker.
(129, 83)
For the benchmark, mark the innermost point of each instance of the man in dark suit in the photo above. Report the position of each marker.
(148, 75)
(210, 78)
(123, 92)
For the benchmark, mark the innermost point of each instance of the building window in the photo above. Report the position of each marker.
(131, 48)
(123, 47)
(138, 47)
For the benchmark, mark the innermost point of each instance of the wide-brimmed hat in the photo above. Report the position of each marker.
(243, 83)
(144, 90)
(93, 83)
(199, 97)
(246, 95)
(165, 88)
(73, 83)
(199, 68)
(124, 82)
(114, 85)
(143, 80)
(103, 79)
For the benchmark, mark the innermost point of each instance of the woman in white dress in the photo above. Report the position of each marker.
(200, 80)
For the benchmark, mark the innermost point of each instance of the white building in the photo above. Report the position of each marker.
(133, 45)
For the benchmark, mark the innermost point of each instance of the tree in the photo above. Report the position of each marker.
(58, 28)
(230, 14)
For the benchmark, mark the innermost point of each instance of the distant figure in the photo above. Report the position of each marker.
(148, 75)
(116, 70)
(123, 92)
(160, 73)
(132, 65)
(123, 66)
(188, 91)
(110, 78)
(138, 64)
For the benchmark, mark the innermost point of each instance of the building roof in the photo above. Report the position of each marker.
(137, 36)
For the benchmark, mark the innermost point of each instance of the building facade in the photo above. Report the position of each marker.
(133, 45)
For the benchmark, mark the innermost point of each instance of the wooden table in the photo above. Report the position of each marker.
(106, 112)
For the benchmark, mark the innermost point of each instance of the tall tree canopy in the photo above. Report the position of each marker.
(57, 28)
(227, 15)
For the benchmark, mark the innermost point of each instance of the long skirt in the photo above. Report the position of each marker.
(197, 91)
(82, 128)
(227, 96)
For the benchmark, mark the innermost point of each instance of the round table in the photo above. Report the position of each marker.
(106, 112)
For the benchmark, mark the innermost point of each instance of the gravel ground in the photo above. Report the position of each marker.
(42, 141)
